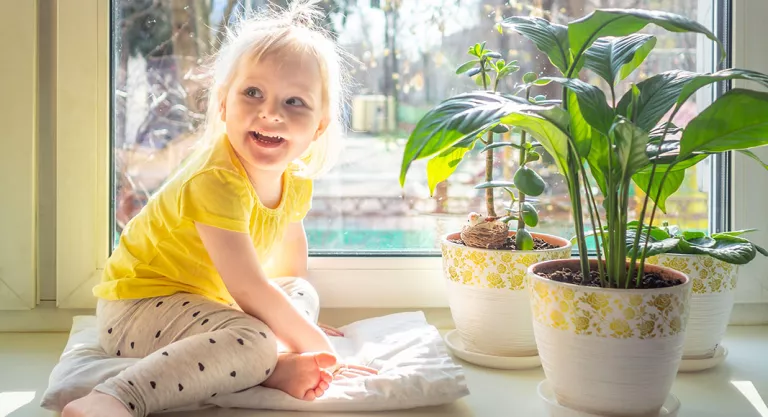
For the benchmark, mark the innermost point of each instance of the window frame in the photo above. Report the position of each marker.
(84, 168)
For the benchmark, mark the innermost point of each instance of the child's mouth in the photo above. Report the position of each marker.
(266, 141)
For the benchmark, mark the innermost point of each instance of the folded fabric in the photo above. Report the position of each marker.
(415, 370)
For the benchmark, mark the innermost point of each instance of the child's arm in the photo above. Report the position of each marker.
(290, 256)
(235, 258)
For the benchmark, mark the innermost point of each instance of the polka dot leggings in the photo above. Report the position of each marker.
(192, 348)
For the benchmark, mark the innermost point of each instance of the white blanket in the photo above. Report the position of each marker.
(415, 370)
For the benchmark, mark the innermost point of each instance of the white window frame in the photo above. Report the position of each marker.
(18, 171)
(370, 282)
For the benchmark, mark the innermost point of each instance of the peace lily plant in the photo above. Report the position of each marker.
(613, 320)
(485, 263)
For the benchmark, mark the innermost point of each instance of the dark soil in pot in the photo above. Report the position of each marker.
(573, 275)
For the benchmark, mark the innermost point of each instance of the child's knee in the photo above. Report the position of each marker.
(259, 338)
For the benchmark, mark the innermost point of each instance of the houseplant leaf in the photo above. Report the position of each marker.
(657, 95)
(731, 249)
(631, 143)
(442, 166)
(621, 22)
(614, 59)
(651, 188)
(728, 74)
(655, 246)
(594, 108)
(581, 131)
(737, 120)
(549, 127)
(455, 119)
(753, 156)
(528, 181)
(550, 38)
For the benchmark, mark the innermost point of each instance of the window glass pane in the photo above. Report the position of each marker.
(406, 55)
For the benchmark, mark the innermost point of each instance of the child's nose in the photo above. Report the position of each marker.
(270, 112)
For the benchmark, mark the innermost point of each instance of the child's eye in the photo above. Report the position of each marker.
(253, 92)
(295, 101)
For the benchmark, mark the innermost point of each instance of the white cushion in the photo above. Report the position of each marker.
(414, 370)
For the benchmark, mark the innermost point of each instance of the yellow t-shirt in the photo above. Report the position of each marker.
(160, 252)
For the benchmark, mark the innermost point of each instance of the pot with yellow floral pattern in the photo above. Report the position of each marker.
(609, 351)
(488, 294)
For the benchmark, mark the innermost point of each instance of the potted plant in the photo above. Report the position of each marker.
(712, 263)
(485, 263)
(610, 329)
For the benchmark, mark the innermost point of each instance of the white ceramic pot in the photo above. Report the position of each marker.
(714, 286)
(610, 352)
(488, 297)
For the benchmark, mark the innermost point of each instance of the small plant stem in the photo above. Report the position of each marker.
(594, 214)
(650, 223)
(489, 204)
(523, 157)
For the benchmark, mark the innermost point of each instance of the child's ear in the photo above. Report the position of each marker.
(322, 128)
(222, 106)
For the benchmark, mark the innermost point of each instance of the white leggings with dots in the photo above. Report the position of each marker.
(192, 348)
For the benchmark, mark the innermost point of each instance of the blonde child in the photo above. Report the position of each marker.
(188, 288)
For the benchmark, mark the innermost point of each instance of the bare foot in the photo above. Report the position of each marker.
(95, 404)
(303, 376)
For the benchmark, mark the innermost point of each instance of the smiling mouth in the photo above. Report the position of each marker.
(267, 140)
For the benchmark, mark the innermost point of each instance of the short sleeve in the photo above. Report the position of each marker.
(217, 198)
(302, 199)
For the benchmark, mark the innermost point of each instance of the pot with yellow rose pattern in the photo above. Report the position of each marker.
(609, 351)
(488, 296)
(714, 286)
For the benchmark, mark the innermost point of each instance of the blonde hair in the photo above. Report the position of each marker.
(273, 31)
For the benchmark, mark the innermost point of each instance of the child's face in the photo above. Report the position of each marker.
(274, 110)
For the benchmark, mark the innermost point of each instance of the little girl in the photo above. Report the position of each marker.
(188, 288)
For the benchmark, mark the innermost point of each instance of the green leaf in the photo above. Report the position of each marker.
(530, 215)
(621, 22)
(737, 120)
(532, 156)
(467, 66)
(500, 129)
(541, 82)
(753, 156)
(549, 127)
(523, 240)
(690, 235)
(655, 247)
(730, 249)
(614, 59)
(761, 250)
(528, 181)
(455, 119)
(594, 107)
(494, 184)
(549, 38)
(728, 74)
(529, 77)
(479, 80)
(581, 131)
(631, 143)
(657, 96)
(672, 183)
(733, 233)
(442, 166)
(598, 163)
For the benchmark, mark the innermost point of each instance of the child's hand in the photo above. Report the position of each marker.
(348, 371)
(330, 331)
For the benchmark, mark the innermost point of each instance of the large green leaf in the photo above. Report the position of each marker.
(730, 249)
(528, 181)
(592, 103)
(550, 38)
(630, 143)
(737, 120)
(549, 127)
(621, 22)
(614, 59)
(458, 118)
(442, 166)
(651, 188)
(598, 160)
(728, 74)
(657, 96)
(581, 131)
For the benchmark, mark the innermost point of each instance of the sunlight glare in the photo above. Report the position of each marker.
(12, 401)
(748, 390)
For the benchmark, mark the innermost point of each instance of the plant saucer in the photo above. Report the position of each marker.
(454, 342)
(670, 408)
(701, 364)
